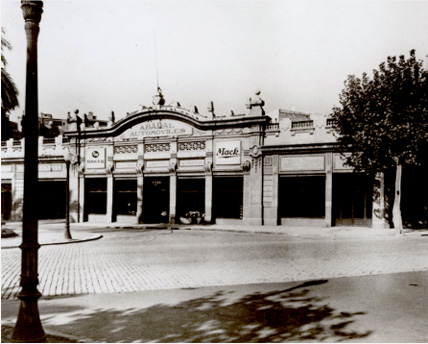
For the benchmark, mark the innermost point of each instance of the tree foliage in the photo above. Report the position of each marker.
(383, 120)
(9, 92)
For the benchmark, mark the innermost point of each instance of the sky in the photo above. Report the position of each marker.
(103, 55)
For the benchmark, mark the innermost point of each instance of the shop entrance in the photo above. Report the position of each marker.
(190, 196)
(125, 198)
(156, 200)
(352, 199)
(95, 197)
(228, 197)
(51, 200)
(301, 200)
(6, 201)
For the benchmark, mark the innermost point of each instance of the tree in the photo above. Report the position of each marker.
(383, 121)
(9, 92)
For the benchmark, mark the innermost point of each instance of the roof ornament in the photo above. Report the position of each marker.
(158, 98)
(211, 109)
(256, 105)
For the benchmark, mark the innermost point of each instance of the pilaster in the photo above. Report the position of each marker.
(253, 193)
(81, 196)
(270, 190)
(74, 194)
(328, 189)
(208, 193)
(173, 183)
(109, 215)
(172, 197)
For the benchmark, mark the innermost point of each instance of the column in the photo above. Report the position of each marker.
(208, 197)
(253, 185)
(109, 215)
(173, 182)
(140, 184)
(328, 189)
(209, 181)
(270, 190)
(172, 197)
(140, 181)
(81, 197)
(74, 193)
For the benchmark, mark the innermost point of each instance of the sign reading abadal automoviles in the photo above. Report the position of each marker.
(164, 127)
(95, 158)
(228, 152)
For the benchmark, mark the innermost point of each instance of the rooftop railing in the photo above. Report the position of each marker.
(48, 140)
(302, 124)
(272, 127)
(330, 122)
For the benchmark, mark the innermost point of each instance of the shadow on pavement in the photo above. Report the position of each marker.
(284, 315)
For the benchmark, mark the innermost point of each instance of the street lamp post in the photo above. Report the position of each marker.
(28, 327)
(67, 158)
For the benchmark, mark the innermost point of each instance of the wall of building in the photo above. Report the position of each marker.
(267, 156)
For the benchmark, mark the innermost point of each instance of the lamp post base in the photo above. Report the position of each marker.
(28, 327)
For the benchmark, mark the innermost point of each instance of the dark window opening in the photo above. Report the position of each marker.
(302, 197)
(6, 201)
(352, 198)
(51, 195)
(156, 200)
(190, 196)
(96, 195)
(125, 197)
(228, 197)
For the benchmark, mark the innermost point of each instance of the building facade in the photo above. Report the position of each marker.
(165, 164)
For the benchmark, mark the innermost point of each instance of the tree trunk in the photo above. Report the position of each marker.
(396, 210)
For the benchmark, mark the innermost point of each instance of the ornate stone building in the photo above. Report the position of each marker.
(165, 163)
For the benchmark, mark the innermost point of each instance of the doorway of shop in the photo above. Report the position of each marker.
(6, 201)
(301, 200)
(156, 200)
(190, 198)
(228, 197)
(352, 199)
(51, 200)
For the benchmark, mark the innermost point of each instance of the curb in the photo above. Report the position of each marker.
(71, 241)
(337, 235)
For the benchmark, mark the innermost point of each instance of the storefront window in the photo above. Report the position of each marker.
(228, 197)
(156, 200)
(302, 197)
(51, 199)
(125, 197)
(96, 195)
(190, 196)
(6, 201)
(352, 198)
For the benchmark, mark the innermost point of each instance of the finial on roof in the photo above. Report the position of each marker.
(158, 99)
(256, 105)
(211, 108)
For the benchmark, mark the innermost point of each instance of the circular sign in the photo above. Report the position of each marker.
(95, 154)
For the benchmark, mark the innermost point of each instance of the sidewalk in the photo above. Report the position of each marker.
(383, 308)
(48, 234)
(51, 232)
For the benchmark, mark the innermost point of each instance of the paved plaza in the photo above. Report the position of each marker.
(130, 260)
(210, 285)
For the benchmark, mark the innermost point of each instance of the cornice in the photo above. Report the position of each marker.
(300, 148)
(151, 114)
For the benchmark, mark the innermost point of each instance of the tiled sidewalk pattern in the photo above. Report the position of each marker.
(159, 260)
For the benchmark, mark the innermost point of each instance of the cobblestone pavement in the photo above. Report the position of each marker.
(132, 260)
